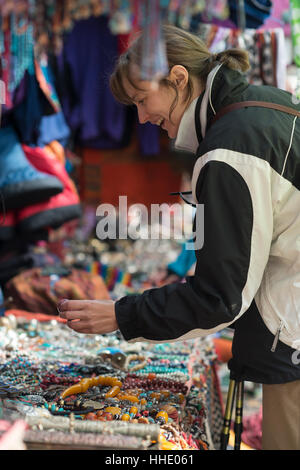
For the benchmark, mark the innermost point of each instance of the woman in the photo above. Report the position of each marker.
(247, 177)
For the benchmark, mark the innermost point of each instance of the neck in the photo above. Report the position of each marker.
(198, 88)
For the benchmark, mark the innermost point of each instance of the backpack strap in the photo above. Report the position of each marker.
(260, 104)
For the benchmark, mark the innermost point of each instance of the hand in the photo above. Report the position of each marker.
(12, 439)
(89, 316)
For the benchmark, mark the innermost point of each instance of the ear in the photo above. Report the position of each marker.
(179, 76)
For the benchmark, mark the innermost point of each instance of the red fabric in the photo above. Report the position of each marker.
(123, 41)
(223, 349)
(106, 174)
(47, 162)
(7, 224)
(42, 317)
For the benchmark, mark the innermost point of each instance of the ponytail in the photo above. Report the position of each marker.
(235, 59)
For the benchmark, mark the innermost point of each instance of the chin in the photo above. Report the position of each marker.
(171, 134)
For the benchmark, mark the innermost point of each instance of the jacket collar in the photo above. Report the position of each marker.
(187, 138)
(223, 87)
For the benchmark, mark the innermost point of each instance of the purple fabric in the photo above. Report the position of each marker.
(96, 118)
(218, 22)
(89, 52)
(148, 136)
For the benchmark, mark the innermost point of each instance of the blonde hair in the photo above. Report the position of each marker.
(182, 48)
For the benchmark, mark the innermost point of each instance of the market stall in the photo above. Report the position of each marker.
(66, 146)
(98, 392)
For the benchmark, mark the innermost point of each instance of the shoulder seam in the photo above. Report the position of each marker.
(290, 145)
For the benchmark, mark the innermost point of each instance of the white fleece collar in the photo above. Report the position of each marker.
(187, 139)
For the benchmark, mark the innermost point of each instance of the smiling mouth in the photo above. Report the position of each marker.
(159, 122)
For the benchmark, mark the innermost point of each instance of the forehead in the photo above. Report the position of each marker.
(136, 87)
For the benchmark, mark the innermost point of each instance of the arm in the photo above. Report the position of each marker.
(230, 266)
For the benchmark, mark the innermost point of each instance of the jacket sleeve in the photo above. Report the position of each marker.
(230, 263)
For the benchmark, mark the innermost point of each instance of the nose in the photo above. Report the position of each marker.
(142, 115)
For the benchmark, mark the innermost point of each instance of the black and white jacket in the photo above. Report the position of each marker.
(247, 275)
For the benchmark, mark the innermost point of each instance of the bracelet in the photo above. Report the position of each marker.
(85, 384)
(135, 357)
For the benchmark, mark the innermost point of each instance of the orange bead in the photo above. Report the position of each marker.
(113, 381)
(112, 392)
(162, 414)
(125, 417)
(181, 397)
(85, 384)
(151, 376)
(144, 420)
(133, 410)
(91, 416)
(71, 390)
(155, 395)
(114, 410)
(101, 418)
(143, 401)
(131, 398)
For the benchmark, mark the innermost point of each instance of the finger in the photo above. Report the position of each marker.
(79, 326)
(73, 315)
(66, 304)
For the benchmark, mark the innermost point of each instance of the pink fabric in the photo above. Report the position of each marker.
(252, 434)
(275, 19)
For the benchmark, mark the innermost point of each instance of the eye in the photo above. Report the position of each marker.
(141, 102)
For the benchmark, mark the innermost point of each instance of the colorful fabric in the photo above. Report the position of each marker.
(39, 290)
(295, 9)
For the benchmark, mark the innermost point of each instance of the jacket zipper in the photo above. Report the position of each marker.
(276, 339)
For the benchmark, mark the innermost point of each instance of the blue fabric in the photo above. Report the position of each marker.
(26, 116)
(53, 128)
(21, 184)
(14, 166)
(184, 261)
(256, 12)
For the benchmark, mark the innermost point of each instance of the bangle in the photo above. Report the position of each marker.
(85, 384)
(135, 357)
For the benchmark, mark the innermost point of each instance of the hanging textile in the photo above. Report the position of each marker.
(52, 19)
(256, 12)
(154, 63)
(295, 12)
(265, 48)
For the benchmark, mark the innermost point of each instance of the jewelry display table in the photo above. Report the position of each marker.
(78, 391)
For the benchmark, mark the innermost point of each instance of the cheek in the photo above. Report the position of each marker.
(155, 106)
(160, 104)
